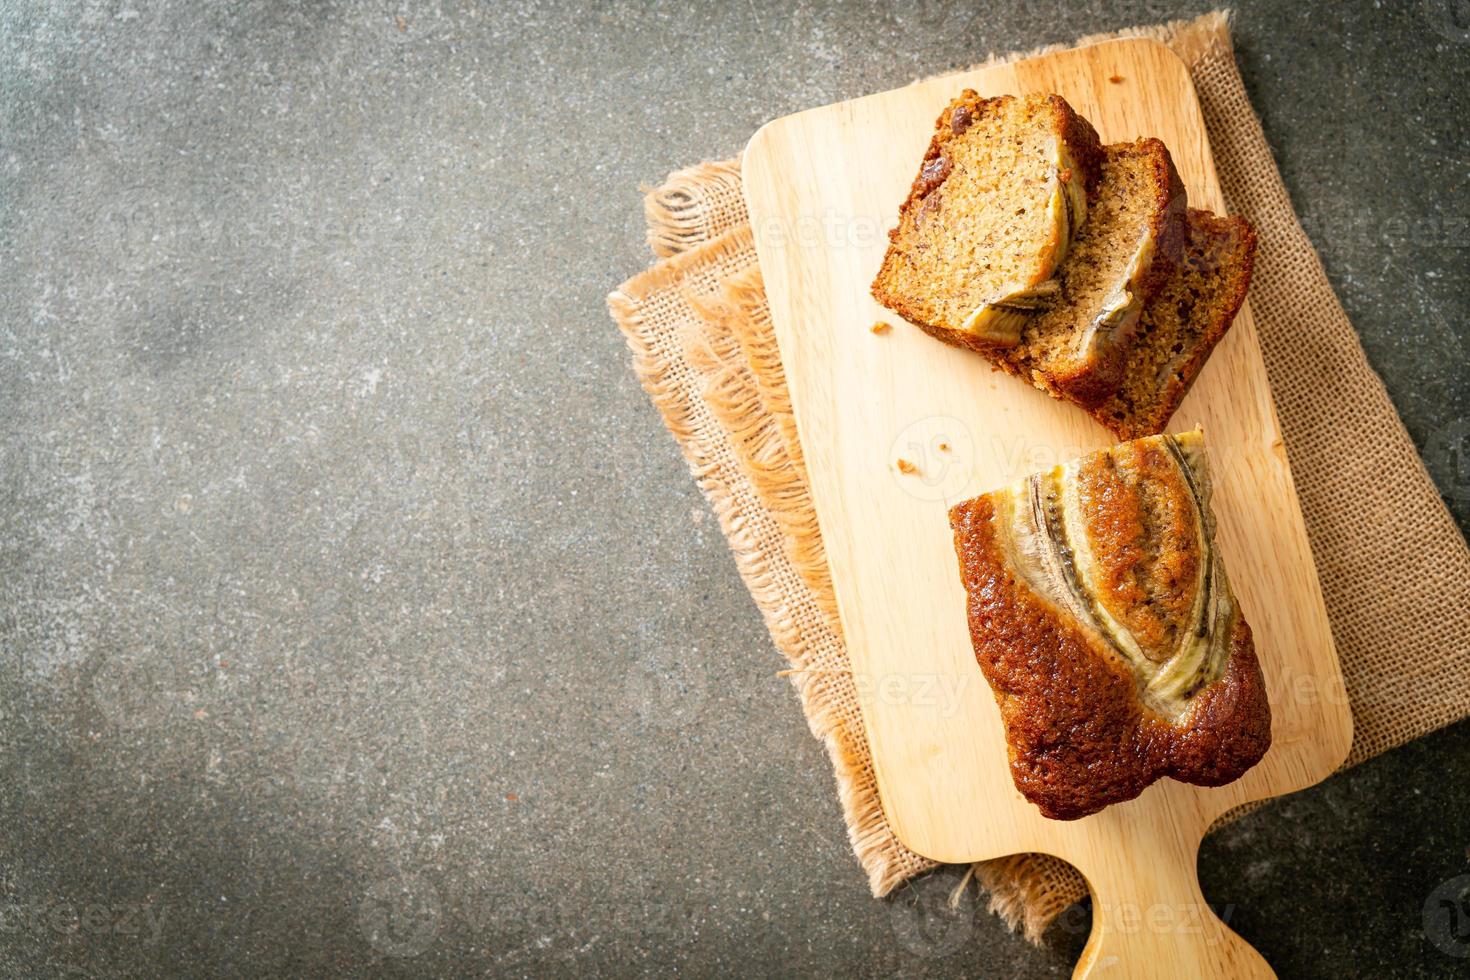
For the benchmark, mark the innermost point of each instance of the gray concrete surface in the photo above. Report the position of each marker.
(357, 615)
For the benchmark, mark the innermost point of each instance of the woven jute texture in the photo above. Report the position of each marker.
(1393, 565)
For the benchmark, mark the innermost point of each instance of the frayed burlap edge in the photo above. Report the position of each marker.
(693, 206)
(681, 368)
(770, 451)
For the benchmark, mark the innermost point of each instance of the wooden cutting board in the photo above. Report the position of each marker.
(823, 187)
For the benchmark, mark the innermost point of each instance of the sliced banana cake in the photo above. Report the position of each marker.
(999, 198)
(1079, 268)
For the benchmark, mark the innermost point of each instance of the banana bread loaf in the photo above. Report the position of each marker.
(1102, 617)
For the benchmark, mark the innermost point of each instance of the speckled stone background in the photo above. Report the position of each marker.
(357, 615)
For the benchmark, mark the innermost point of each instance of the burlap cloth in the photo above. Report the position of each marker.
(1394, 567)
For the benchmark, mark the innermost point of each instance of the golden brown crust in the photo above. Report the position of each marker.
(1086, 147)
(1230, 728)
(1080, 736)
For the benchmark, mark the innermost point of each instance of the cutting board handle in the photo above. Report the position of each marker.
(1150, 919)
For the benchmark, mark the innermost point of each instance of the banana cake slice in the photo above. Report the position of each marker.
(1182, 324)
(1078, 348)
(999, 198)
(1101, 615)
